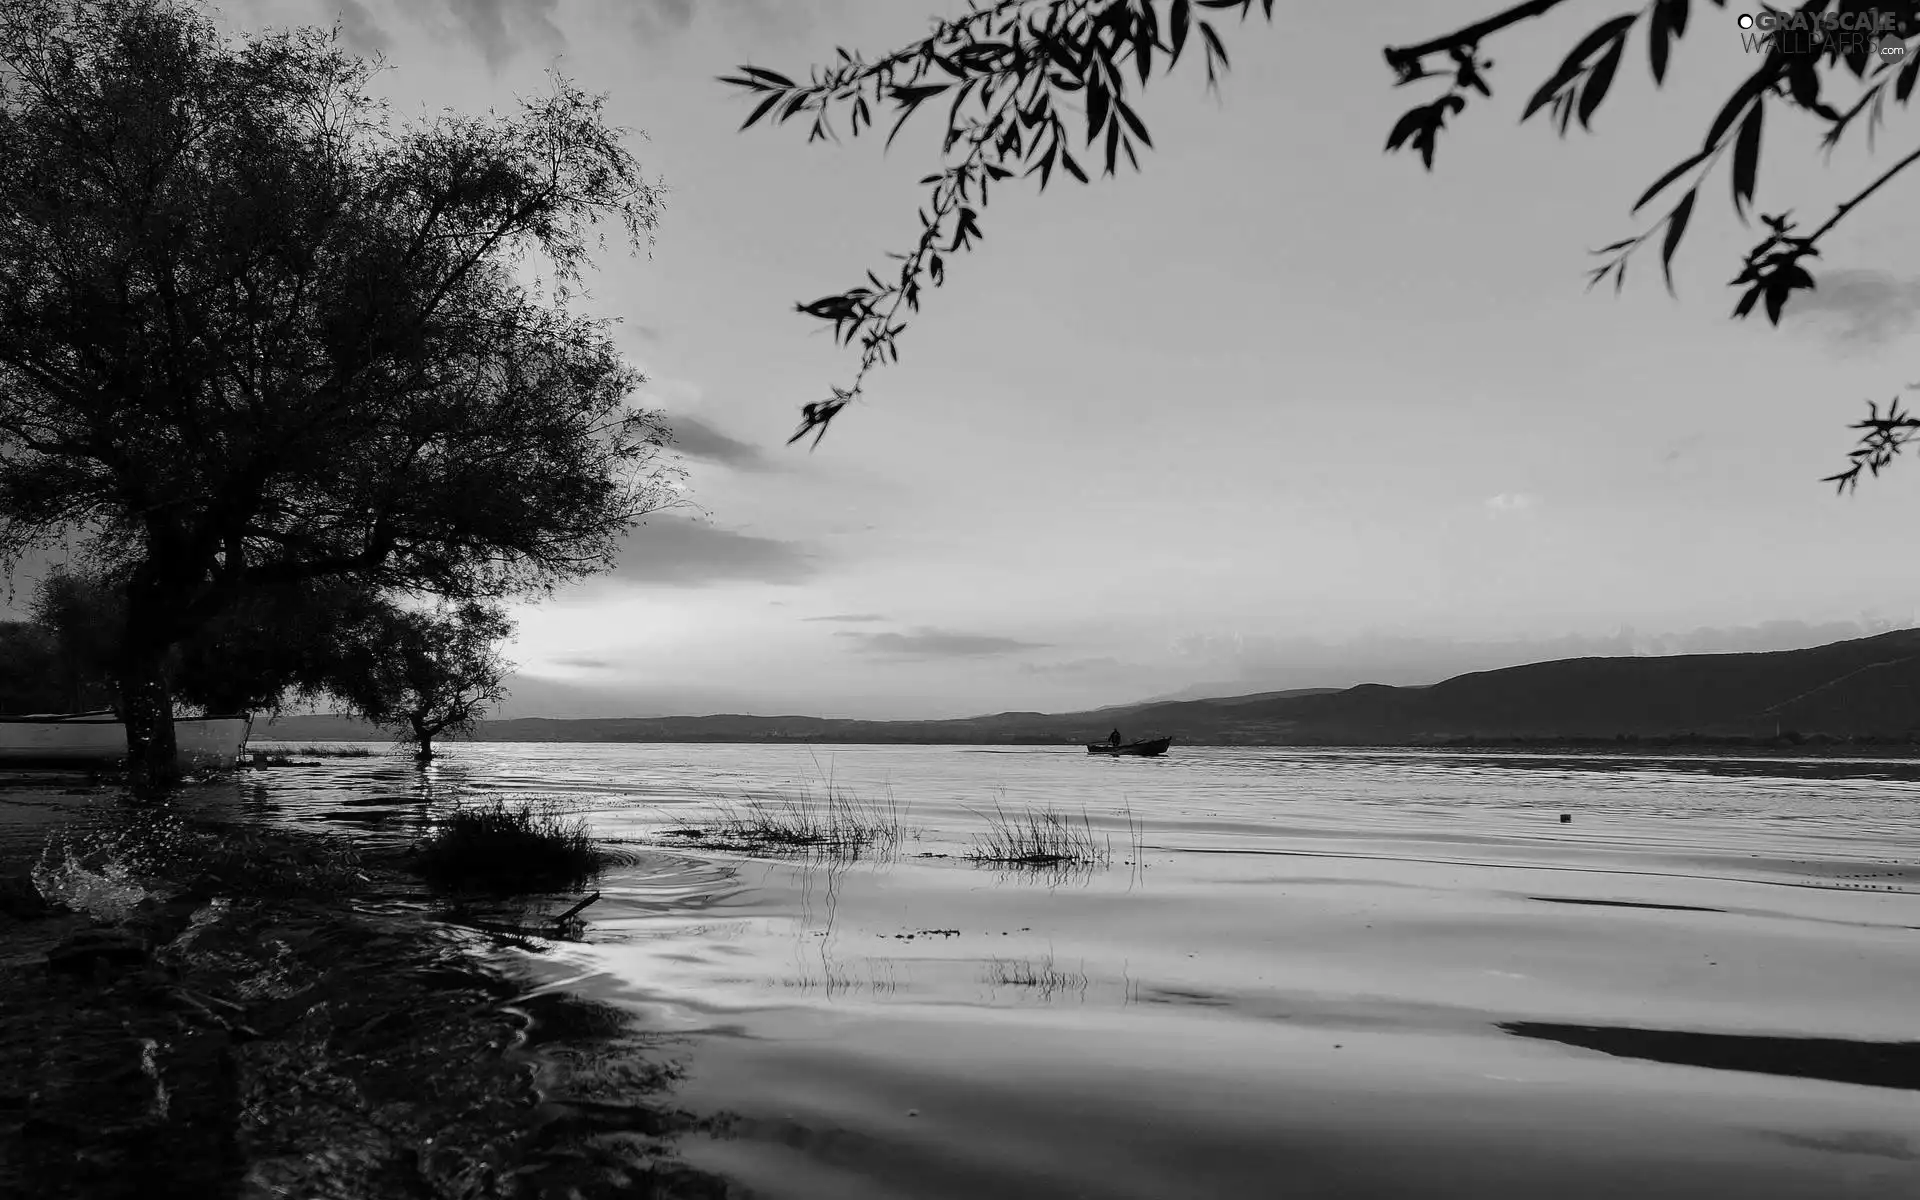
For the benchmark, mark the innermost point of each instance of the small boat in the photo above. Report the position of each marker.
(98, 739)
(1143, 749)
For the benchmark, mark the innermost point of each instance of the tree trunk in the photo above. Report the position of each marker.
(153, 755)
(423, 739)
(146, 703)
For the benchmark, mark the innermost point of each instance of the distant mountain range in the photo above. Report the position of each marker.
(1866, 688)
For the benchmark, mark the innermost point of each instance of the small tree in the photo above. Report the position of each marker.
(424, 674)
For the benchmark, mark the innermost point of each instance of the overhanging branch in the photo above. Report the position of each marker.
(1406, 59)
(1861, 196)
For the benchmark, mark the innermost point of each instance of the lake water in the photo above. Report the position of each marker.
(1302, 973)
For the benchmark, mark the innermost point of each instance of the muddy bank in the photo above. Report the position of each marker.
(284, 1018)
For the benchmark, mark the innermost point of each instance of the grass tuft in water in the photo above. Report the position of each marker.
(502, 848)
(301, 756)
(1040, 837)
(338, 750)
(1041, 975)
(833, 822)
(274, 758)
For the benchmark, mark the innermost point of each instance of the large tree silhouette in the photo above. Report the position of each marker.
(1022, 85)
(254, 332)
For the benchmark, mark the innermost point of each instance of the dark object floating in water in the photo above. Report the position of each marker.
(1566, 818)
(1839, 1060)
(573, 912)
(1143, 749)
(1625, 904)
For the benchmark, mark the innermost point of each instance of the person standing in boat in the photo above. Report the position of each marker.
(1113, 739)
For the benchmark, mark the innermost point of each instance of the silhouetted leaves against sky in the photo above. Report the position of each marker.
(1008, 77)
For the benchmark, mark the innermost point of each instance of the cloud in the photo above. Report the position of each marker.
(1768, 635)
(848, 617)
(1859, 308)
(501, 28)
(678, 552)
(358, 29)
(698, 439)
(663, 19)
(1242, 664)
(536, 696)
(1683, 447)
(504, 28)
(1511, 502)
(582, 661)
(1076, 666)
(936, 643)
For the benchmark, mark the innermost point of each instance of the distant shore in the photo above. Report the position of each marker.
(593, 731)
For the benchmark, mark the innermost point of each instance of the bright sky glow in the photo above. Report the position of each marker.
(1281, 411)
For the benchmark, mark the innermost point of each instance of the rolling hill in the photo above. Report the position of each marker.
(1869, 687)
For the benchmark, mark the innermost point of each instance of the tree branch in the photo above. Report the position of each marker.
(1860, 197)
(1406, 59)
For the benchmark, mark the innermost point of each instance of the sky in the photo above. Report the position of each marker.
(1280, 410)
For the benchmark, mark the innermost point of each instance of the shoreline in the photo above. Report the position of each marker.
(1811, 746)
(219, 1043)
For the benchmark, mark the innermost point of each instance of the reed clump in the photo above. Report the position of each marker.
(833, 822)
(1040, 837)
(504, 848)
(1041, 975)
(299, 756)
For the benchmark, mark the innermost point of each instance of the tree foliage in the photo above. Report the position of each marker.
(275, 645)
(423, 673)
(254, 332)
(30, 677)
(81, 613)
(1023, 83)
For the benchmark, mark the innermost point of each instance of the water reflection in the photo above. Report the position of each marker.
(1873, 1064)
(1903, 770)
(1325, 931)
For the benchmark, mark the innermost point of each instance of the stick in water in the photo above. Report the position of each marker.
(569, 914)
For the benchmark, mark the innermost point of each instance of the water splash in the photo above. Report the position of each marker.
(107, 894)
